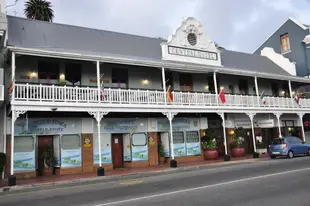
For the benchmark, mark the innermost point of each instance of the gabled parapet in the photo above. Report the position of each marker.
(280, 60)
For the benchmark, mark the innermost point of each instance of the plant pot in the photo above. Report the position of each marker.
(221, 150)
(162, 160)
(238, 152)
(210, 154)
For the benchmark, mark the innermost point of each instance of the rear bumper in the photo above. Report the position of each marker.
(282, 153)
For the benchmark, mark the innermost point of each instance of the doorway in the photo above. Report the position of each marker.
(117, 150)
(42, 142)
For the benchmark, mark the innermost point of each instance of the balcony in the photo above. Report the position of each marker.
(30, 94)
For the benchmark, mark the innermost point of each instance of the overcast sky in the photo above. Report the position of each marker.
(240, 25)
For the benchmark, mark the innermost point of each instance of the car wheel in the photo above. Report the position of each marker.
(290, 154)
(273, 157)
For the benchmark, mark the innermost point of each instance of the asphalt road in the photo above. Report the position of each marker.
(273, 182)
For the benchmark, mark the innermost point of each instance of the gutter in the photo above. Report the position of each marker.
(151, 63)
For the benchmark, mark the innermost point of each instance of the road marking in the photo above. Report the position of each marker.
(130, 182)
(202, 187)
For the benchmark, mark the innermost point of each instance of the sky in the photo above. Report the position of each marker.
(240, 25)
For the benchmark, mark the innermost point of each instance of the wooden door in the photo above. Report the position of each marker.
(117, 150)
(42, 141)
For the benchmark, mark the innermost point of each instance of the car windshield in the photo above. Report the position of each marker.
(277, 141)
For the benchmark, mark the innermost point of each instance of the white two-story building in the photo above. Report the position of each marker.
(100, 97)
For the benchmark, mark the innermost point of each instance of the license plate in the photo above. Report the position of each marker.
(275, 152)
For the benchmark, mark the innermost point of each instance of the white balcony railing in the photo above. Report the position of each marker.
(51, 93)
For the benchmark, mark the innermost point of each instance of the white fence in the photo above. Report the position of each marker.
(51, 93)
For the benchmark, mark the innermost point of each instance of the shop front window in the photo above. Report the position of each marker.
(24, 154)
(139, 147)
(71, 151)
(139, 139)
(192, 143)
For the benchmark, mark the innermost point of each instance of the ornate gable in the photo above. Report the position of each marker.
(189, 43)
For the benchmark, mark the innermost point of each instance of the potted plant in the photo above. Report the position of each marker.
(208, 144)
(49, 160)
(237, 147)
(162, 158)
(2, 163)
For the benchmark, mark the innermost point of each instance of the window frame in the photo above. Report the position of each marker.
(132, 142)
(64, 135)
(285, 41)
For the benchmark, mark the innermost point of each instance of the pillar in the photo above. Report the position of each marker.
(98, 80)
(170, 116)
(226, 157)
(15, 115)
(98, 115)
(256, 90)
(302, 126)
(278, 115)
(251, 116)
(290, 88)
(215, 87)
(164, 82)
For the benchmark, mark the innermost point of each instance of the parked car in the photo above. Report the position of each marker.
(288, 146)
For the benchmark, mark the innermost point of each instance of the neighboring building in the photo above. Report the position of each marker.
(82, 89)
(292, 40)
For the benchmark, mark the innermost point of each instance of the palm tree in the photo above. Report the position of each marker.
(39, 10)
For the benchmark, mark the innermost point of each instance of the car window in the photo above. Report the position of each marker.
(277, 141)
(297, 140)
(289, 140)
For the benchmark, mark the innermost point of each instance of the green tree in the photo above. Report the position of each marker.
(39, 10)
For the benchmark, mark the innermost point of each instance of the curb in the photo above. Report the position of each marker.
(112, 178)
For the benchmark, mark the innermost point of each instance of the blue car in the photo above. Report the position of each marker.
(288, 146)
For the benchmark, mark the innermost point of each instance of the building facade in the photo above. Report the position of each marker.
(107, 99)
(291, 40)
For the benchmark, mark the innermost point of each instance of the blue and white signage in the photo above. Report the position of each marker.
(71, 158)
(140, 153)
(24, 161)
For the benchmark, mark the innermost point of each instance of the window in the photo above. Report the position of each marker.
(23, 144)
(71, 142)
(48, 70)
(119, 77)
(139, 139)
(73, 74)
(192, 39)
(192, 136)
(285, 43)
(275, 89)
(178, 137)
(243, 86)
(277, 141)
(186, 82)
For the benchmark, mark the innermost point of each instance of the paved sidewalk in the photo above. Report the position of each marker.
(116, 174)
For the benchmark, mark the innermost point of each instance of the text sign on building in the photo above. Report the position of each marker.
(192, 53)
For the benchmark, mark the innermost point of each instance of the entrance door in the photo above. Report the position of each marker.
(42, 141)
(117, 150)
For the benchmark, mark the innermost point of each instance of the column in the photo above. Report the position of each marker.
(215, 87)
(170, 116)
(226, 157)
(256, 90)
(13, 67)
(251, 116)
(290, 88)
(278, 115)
(15, 115)
(98, 80)
(98, 115)
(164, 82)
(302, 126)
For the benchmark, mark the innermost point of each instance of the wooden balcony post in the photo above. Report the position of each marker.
(98, 79)
(164, 82)
(13, 74)
(215, 88)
